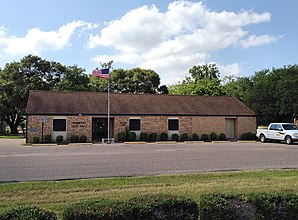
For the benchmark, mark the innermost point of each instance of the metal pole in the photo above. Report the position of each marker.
(109, 110)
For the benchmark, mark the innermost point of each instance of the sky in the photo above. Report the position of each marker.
(169, 37)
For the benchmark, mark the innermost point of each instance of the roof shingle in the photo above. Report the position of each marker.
(93, 103)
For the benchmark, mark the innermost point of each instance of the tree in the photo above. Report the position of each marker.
(136, 80)
(272, 94)
(204, 80)
(17, 78)
(74, 79)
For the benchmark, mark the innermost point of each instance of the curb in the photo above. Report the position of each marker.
(220, 142)
(247, 141)
(140, 142)
(78, 144)
(166, 142)
(194, 142)
(44, 145)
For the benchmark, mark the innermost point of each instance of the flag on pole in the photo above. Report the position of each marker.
(103, 73)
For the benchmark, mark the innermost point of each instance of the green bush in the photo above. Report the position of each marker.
(59, 139)
(74, 138)
(222, 137)
(213, 136)
(251, 206)
(184, 137)
(131, 136)
(149, 207)
(48, 138)
(205, 137)
(164, 136)
(83, 139)
(152, 137)
(248, 136)
(175, 137)
(195, 137)
(35, 140)
(27, 213)
(121, 136)
(144, 136)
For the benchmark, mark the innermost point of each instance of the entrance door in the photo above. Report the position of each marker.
(99, 128)
(230, 128)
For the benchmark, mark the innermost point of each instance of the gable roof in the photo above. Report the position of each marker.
(94, 103)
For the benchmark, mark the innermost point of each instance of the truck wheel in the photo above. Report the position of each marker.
(288, 140)
(262, 138)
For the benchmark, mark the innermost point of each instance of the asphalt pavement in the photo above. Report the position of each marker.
(39, 163)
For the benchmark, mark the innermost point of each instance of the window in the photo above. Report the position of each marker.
(59, 124)
(134, 124)
(173, 124)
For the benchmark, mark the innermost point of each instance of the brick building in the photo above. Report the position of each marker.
(85, 113)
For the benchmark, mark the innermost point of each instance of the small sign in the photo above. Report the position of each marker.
(43, 119)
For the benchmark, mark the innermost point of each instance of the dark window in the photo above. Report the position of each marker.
(173, 124)
(59, 124)
(134, 124)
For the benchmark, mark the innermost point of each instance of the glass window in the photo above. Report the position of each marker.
(173, 124)
(59, 124)
(290, 127)
(134, 124)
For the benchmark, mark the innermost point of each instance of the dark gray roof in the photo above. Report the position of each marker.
(93, 103)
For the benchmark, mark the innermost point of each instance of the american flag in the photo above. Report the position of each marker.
(103, 73)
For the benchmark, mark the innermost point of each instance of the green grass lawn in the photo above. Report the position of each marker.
(13, 136)
(55, 195)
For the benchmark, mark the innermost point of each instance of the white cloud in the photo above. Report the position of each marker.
(229, 70)
(255, 41)
(37, 40)
(173, 41)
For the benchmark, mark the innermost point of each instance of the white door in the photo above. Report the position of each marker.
(230, 128)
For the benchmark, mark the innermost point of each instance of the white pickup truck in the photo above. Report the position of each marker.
(278, 131)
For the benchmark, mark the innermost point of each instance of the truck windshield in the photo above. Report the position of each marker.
(290, 127)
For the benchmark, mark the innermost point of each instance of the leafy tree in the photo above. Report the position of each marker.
(136, 80)
(17, 78)
(204, 80)
(74, 79)
(272, 94)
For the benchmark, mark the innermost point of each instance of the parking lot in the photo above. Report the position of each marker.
(30, 163)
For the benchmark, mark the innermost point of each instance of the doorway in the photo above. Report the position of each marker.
(230, 128)
(100, 128)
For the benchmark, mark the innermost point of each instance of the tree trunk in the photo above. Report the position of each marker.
(1, 126)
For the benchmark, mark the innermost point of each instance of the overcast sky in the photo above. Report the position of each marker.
(169, 37)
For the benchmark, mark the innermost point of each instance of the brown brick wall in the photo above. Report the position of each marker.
(246, 124)
(80, 125)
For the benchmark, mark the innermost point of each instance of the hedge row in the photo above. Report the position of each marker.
(148, 207)
(275, 206)
(279, 206)
(131, 136)
(60, 139)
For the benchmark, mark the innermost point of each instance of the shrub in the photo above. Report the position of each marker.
(213, 136)
(121, 136)
(59, 139)
(83, 139)
(35, 140)
(195, 137)
(251, 206)
(48, 138)
(74, 139)
(205, 137)
(164, 136)
(131, 136)
(222, 137)
(152, 137)
(184, 137)
(149, 207)
(144, 136)
(175, 137)
(248, 136)
(27, 213)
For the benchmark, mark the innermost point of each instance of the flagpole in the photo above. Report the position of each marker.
(109, 110)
